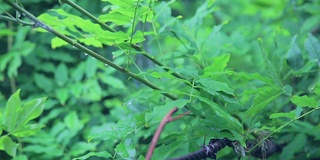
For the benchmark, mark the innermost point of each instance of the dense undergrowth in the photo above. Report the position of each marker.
(245, 70)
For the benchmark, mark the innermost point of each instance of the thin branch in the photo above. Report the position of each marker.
(86, 13)
(136, 47)
(38, 23)
(9, 18)
(278, 129)
(168, 118)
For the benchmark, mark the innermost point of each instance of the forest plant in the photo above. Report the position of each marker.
(200, 75)
(15, 118)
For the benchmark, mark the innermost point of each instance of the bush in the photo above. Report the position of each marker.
(112, 70)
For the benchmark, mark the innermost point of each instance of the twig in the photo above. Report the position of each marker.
(168, 118)
(278, 129)
(38, 23)
(134, 46)
(12, 19)
(86, 13)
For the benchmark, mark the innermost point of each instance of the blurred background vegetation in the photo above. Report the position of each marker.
(86, 98)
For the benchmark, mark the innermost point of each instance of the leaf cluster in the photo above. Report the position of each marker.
(245, 71)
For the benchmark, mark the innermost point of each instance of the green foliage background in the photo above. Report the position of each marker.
(249, 68)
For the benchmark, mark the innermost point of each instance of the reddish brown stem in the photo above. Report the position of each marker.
(168, 118)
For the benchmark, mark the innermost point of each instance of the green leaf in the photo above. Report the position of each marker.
(57, 42)
(91, 67)
(115, 17)
(218, 65)
(163, 151)
(4, 60)
(61, 74)
(62, 57)
(145, 13)
(118, 53)
(315, 131)
(62, 94)
(109, 38)
(111, 131)
(305, 101)
(297, 111)
(50, 150)
(112, 82)
(15, 63)
(229, 122)
(78, 73)
(91, 41)
(8, 146)
(71, 22)
(294, 57)
(138, 37)
(198, 18)
(126, 149)
(121, 3)
(43, 82)
(21, 157)
(264, 128)
(185, 71)
(262, 100)
(287, 90)
(103, 154)
(72, 121)
(253, 77)
(290, 115)
(163, 16)
(212, 36)
(81, 147)
(11, 112)
(91, 90)
(271, 66)
(312, 46)
(212, 86)
(139, 119)
(316, 89)
(159, 75)
(293, 147)
(75, 89)
(27, 130)
(159, 112)
(30, 111)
